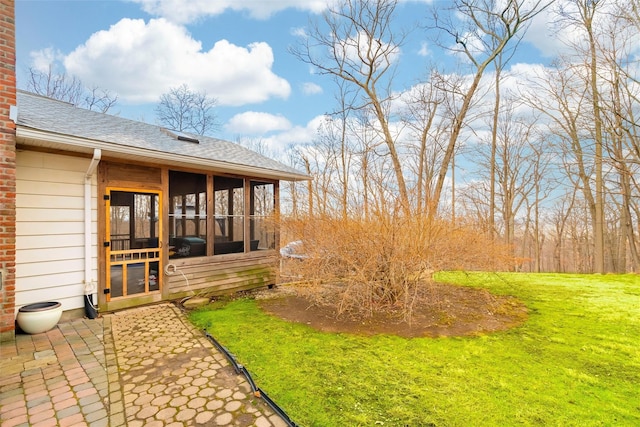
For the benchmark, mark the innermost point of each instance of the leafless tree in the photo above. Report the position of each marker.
(481, 30)
(589, 98)
(562, 96)
(582, 15)
(338, 134)
(356, 44)
(182, 109)
(392, 153)
(560, 214)
(512, 168)
(70, 89)
(620, 107)
(421, 118)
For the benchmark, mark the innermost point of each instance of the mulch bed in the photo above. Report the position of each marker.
(440, 310)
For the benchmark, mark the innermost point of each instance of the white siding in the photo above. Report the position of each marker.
(50, 229)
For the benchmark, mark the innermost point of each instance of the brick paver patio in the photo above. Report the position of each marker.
(141, 367)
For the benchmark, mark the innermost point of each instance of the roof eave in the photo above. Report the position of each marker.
(39, 138)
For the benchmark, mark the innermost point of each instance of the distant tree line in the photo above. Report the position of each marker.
(555, 156)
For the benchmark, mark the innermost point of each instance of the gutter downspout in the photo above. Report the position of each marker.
(88, 280)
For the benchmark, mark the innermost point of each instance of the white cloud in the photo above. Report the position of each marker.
(298, 135)
(255, 123)
(184, 11)
(311, 88)
(140, 61)
(540, 34)
(556, 30)
(299, 32)
(424, 49)
(43, 59)
(276, 145)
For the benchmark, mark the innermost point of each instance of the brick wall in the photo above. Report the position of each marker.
(7, 170)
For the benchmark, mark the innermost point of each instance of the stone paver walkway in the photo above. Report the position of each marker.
(141, 367)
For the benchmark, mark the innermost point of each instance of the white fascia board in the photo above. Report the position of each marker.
(30, 136)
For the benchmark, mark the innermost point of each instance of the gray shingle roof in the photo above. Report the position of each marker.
(120, 135)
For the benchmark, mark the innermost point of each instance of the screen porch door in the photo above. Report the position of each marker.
(133, 236)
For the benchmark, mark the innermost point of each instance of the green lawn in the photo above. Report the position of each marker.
(576, 361)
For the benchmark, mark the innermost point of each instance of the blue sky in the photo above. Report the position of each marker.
(235, 50)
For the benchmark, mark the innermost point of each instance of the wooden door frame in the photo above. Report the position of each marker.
(137, 299)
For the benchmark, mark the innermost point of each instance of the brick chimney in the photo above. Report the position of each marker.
(7, 170)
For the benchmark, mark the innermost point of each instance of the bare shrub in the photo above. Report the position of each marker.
(364, 265)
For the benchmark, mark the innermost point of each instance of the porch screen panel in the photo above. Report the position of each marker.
(229, 215)
(262, 226)
(117, 284)
(187, 214)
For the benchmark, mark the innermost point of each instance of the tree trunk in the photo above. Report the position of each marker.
(598, 224)
(492, 165)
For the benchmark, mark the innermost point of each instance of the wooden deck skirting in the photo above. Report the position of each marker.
(221, 274)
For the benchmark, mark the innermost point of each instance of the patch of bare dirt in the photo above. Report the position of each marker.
(442, 310)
